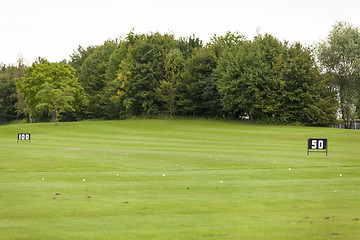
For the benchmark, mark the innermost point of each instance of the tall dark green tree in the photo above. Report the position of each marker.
(188, 45)
(113, 95)
(8, 95)
(271, 88)
(92, 75)
(141, 72)
(273, 82)
(222, 43)
(19, 74)
(241, 73)
(78, 57)
(199, 94)
(306, 96)
(168, 87)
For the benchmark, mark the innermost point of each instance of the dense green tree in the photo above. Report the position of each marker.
(114, 61)
(271, 88)
(306, 96)
(119, 54)
(51, 87)
(273, 82)
(141, 72)
(188, 45)
(8, 96)
(56, 100)
(241, 72)
(92, 76)
(339, 55)
(113, 95)
(198, 88)
(222, 43)
(19, 74)
(147, 77)
(78, 57)
(11, 102)
(168, 87)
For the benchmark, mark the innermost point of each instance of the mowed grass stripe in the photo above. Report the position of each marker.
(178, 179)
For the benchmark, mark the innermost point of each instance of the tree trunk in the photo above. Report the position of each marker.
(170, 114)
(54, 117)
(351, 125)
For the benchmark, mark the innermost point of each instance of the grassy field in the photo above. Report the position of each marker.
(177, 179)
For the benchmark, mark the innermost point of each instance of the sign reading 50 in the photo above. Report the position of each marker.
(317, 144)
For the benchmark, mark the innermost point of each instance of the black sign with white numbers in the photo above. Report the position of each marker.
(24, 137)
(317, 145)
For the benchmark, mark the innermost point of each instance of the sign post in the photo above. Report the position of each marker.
(24, 137)
(317, 145)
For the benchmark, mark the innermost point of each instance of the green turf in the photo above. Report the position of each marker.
(258, 198)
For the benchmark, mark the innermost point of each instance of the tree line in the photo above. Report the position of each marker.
(157, 75)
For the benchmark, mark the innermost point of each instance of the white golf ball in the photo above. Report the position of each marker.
(117, 174)
(43, 178)
(289, 169)
(340, 175)
(221, 181)
(163, 175)
(83, 180)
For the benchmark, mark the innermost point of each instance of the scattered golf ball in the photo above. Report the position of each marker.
(289, 169)
(83, 180)
(340, 175)
(117, 174)
(43, 178)
(163, 175)
(221, 181)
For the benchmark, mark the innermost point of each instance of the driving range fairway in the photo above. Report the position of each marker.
(177, 179)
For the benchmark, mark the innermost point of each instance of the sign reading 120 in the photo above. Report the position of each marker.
(317, 144)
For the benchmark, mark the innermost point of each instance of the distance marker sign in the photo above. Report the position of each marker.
(23, 137)
(317, 145)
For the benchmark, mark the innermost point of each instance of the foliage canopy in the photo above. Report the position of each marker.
(155, 74)
(51, 88)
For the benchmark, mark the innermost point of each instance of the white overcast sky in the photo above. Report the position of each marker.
(55, 28)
